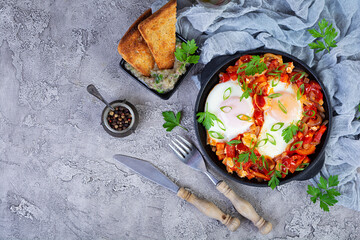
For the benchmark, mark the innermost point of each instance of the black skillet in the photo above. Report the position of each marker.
(209, 78)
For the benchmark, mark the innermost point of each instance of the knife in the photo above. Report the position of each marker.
(150, 172)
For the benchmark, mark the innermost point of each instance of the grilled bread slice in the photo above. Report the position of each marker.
(134, 49)
(158, 30)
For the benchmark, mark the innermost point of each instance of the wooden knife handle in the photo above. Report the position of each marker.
(244, 208)
(209, 209)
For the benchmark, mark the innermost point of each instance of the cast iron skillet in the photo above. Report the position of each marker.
(209, 78)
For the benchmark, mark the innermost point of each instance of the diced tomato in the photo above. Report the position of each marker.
(230, 151)
(260, 79)
(284, 77)
(260, 175)
(259, 100)
(233, 76)
(274, 63)
(259, 117)
(308, 110)
(319, 134)
(241, 147)
(296, 161)
(232, 69)
(245, 58)
(307, 139)
(308, 151)
(224, 77)
(300, 135)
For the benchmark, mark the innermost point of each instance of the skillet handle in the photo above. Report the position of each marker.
(244, 208)
(209, 209)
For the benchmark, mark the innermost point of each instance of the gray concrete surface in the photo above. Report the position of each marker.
(57, 176)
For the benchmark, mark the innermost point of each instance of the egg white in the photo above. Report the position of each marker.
(232, 125)
(269, 149)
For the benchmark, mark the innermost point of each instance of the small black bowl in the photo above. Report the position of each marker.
(209, 78)
(166, 95)
(134, 122)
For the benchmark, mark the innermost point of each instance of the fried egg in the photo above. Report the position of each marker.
(235, 116)
(279, 111)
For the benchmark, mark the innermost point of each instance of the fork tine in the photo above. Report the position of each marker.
(176, 152)
(185, 141)
(179, 148)
(183, 145)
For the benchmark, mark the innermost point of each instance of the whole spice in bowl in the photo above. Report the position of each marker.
(121, 121)
(120, 118)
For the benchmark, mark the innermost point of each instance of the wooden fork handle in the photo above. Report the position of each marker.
(209, 209)
(244, 208)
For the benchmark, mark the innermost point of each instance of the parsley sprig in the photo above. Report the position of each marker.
(206, 118)
(186, 55)
(274, 181)
(254, 66)
(359, 111)
(289, 132)
(171, 120)
(328, 33)
(325, 192)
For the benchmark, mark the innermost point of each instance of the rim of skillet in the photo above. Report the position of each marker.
(299, 176)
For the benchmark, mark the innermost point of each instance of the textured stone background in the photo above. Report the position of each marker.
(57, 176)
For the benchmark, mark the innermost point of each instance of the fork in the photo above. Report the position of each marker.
(191, 156)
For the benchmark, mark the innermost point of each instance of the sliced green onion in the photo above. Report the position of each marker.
(264, 163)
(300, 91)
(298, 124)
(260, 92)
(262, 142)
(293, 148)
(271, 138)
(313, 113)
(226, 109)
(227, 93)
(274, 95)
(233, 142)
(277, 126)
(301, 76)
(273, 74)
(220, 124)
(274, 84)
(243, 117)
(302, 167)
(216, 135)
(238, 79)
(282, 107)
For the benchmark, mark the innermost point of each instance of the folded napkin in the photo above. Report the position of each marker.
(283, 25)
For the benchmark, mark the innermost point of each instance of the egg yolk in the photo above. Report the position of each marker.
(231, 108)
(284, 108)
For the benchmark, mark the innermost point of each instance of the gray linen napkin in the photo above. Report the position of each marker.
(282, 25)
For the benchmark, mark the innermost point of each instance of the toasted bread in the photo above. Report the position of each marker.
(158, 30)
(134, 49)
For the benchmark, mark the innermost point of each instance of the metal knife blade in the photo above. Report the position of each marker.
(147, 170)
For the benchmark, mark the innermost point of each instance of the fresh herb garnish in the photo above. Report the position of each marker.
(226, 109)
(233, 142)
(300, 92)
(227, 93)
(328, 33)
(216, 135)
(277, 126)
(325, 192)
(158, 77)
(274, 181)
(246, 91)
(206, 118)
(185, 54)
(243, 157)
(274, 95)
(282, 107)
(243, 117)
(289, 132)
(171, 120)
(254, 66)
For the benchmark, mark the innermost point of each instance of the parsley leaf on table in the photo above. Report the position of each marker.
(171, 120)
(185, 54)
(289, 132)
(328, 33)
(255, 65)
(359, 111)
(324, 193)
